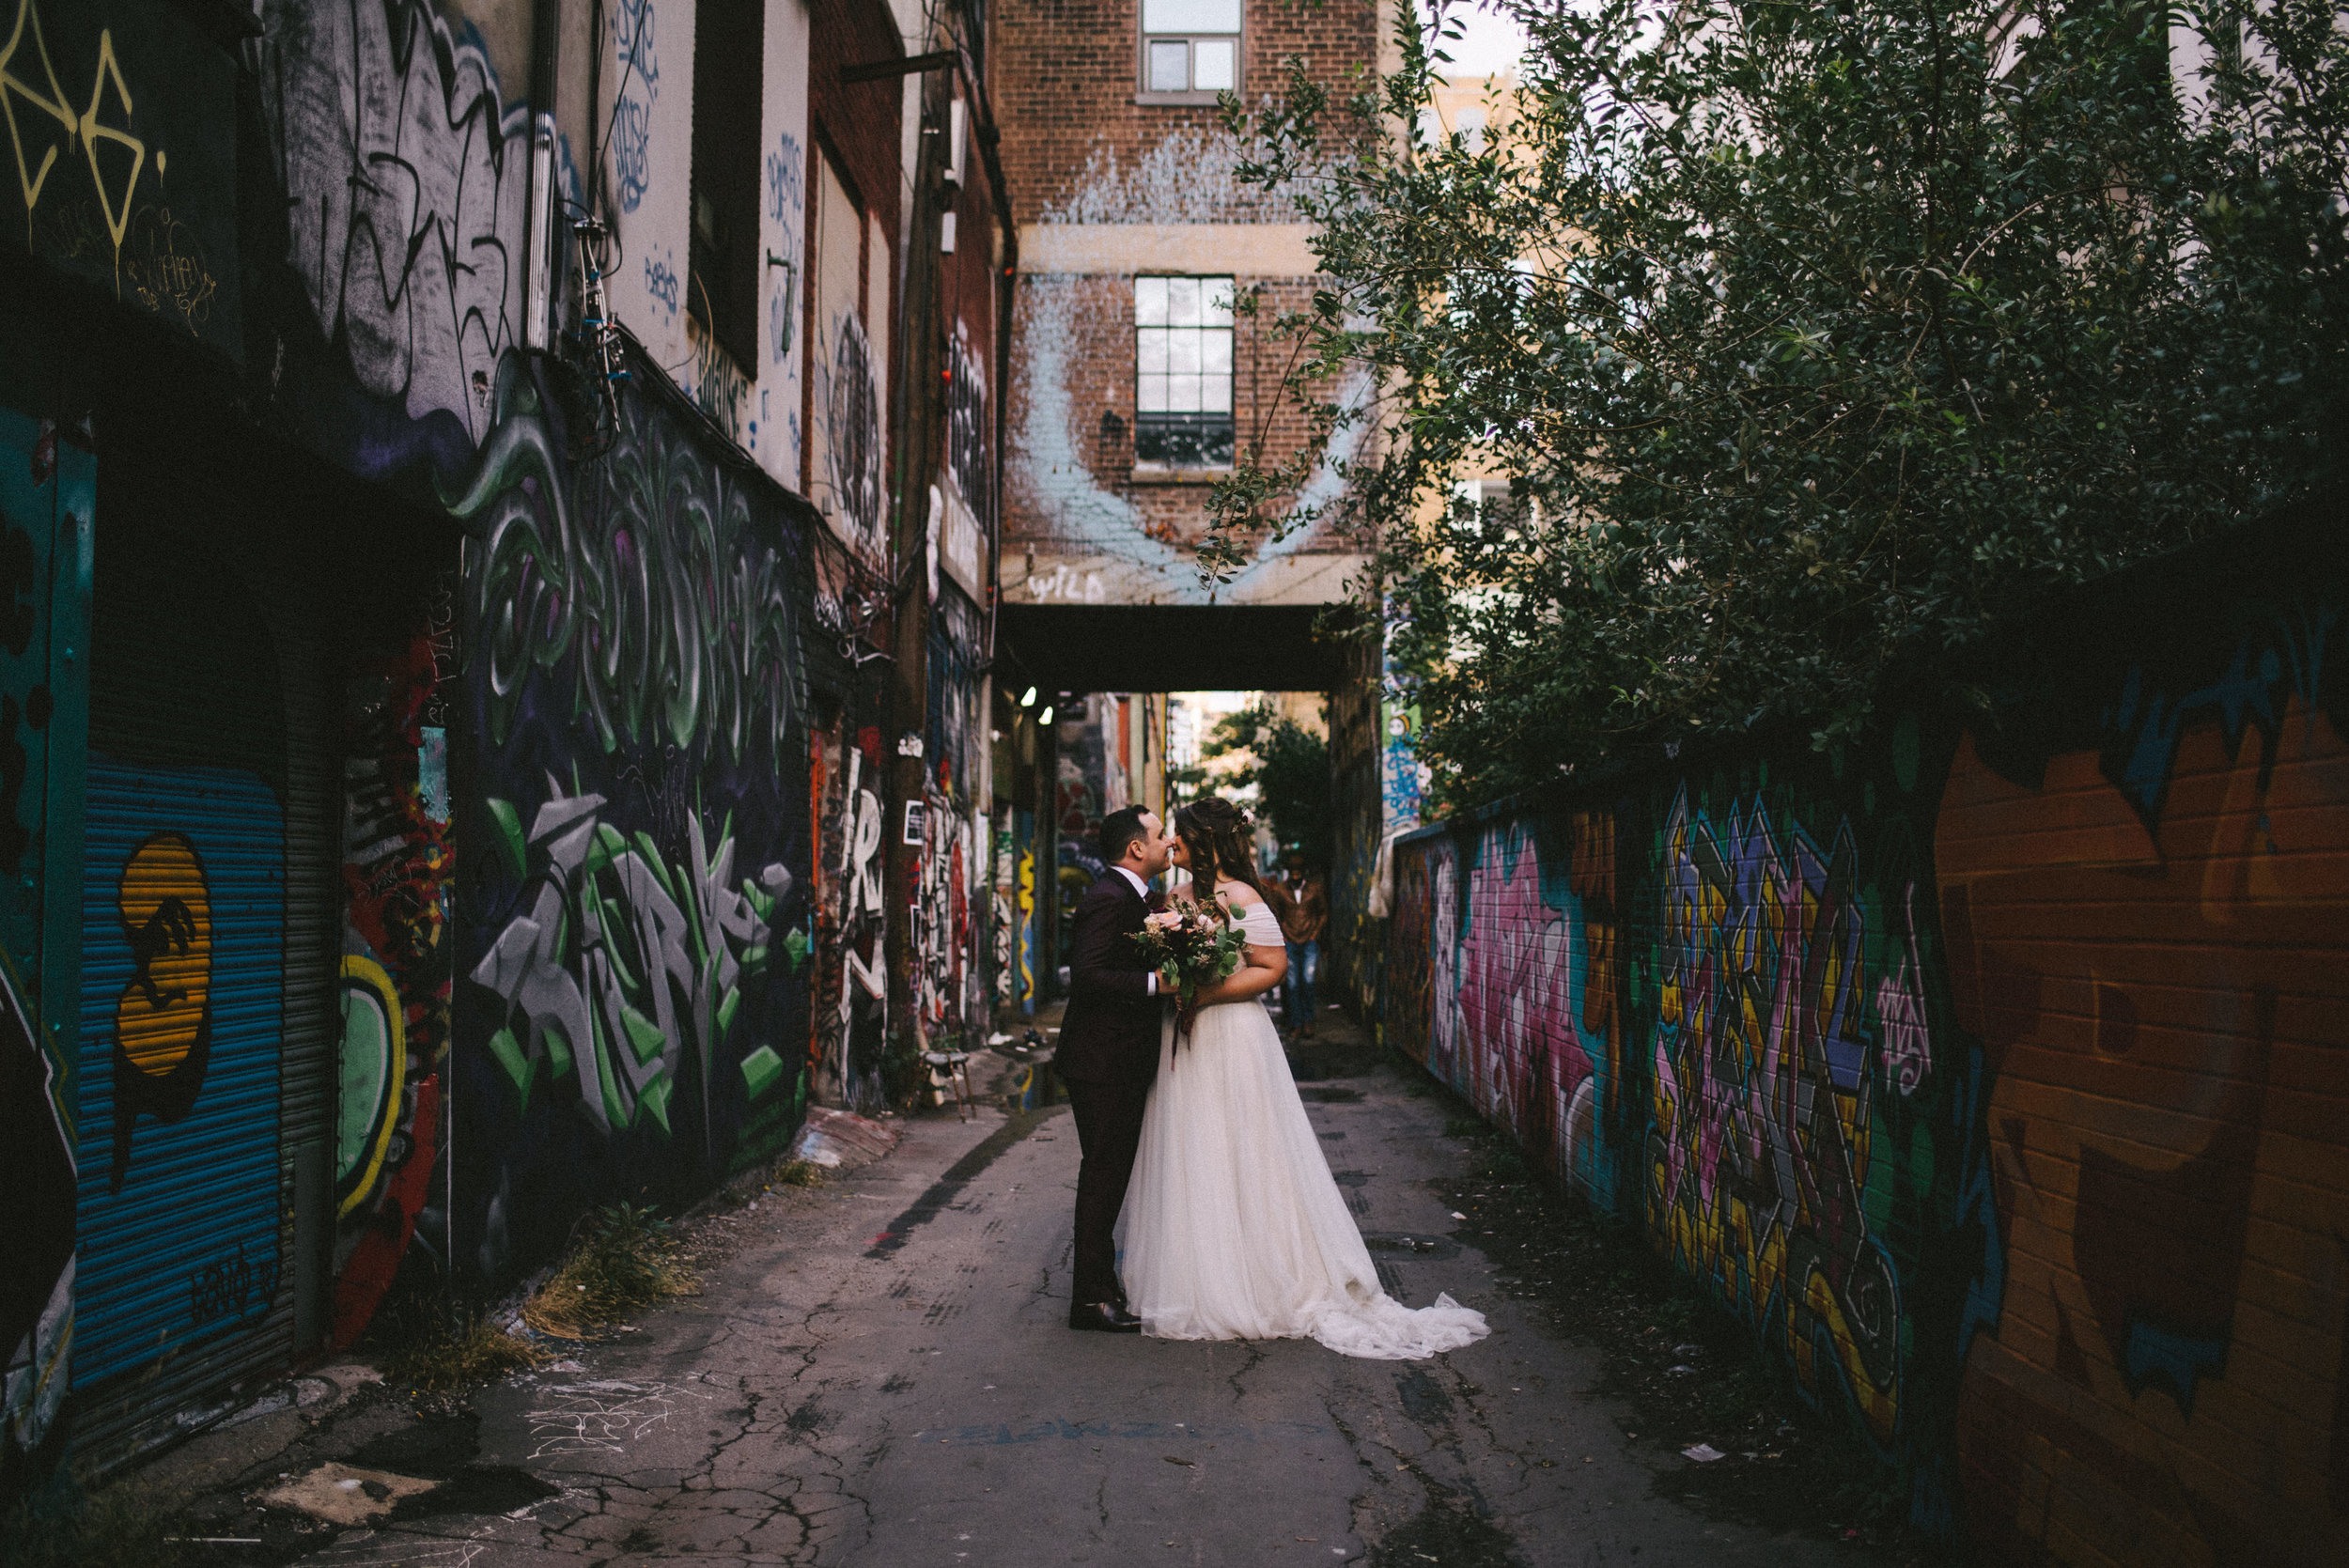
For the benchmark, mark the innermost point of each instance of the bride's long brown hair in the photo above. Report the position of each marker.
(1217, 835)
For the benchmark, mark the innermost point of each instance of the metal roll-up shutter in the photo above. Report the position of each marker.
(207, 938)
(307, 667)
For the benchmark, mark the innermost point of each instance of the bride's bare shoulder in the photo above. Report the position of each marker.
(1241, 894)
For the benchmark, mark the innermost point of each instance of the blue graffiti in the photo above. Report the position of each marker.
(785, 195)
(632, 110)
(661, 283)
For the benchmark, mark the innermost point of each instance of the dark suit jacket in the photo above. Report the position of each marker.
(1110, 1034)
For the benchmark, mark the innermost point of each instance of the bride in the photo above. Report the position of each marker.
(1233, 1227)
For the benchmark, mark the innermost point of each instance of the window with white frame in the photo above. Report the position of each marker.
(1183, 372)
(1190, 50)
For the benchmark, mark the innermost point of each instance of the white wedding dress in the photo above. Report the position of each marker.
(1233, 1227)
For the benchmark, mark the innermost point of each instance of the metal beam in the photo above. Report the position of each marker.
(875, 70)
(1168, 647)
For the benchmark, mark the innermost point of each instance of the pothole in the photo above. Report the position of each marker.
(478, 1489)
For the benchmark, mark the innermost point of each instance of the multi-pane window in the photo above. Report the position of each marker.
(1183, 372)
(1190, 50)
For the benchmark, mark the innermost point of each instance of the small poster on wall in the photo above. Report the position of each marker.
(917, 824)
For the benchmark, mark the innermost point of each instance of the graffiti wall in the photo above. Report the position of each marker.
(405, 169)
(398, 876)
(948, 898)
(647, 176)
(47, 498)
(1089, 516)
(848, 358)
(1082, 783)
(851, 1025)
(632, 932)
(2142, 878)
(121, 129)
(1991, 1071)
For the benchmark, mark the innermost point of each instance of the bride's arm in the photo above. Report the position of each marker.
(1265, 968)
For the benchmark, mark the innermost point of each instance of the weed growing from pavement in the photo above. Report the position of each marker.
(1687, 1372)
(798, 1172)
(472, 1350)
(423, 1337)
(124, 1525)
(622, 1258)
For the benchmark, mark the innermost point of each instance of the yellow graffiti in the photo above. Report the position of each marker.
(93, 132)
(1027, 913)
(86, 125)
(163, 278)
(13, 86)
(367, 976)
(167, 908)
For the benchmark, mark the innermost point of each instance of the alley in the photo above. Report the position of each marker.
(881, 1374)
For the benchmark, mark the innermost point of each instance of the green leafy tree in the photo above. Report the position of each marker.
(1810, 337)
(1289, 769)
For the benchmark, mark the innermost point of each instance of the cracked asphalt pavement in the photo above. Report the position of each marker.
(881, 1372)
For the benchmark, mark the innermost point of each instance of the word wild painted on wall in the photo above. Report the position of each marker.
(1992, 1071)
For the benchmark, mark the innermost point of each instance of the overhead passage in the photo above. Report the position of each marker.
(1114, 648)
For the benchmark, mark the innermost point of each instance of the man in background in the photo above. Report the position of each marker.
(1309, 918)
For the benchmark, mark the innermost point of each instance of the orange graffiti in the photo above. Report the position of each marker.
(168, 911)
(2162, 1002)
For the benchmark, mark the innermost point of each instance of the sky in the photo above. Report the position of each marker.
(1490, 43)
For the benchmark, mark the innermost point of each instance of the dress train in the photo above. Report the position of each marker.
(1233, 1227)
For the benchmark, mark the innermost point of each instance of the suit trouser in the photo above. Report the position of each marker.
(1109, 1130)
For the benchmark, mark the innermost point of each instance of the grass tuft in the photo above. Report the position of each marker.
(622, 1259)
(798, 1172)
(440, 1356)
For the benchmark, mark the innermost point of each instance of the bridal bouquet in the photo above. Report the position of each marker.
(1191, 946)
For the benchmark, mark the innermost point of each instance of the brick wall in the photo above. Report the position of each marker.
(1063, 77)
(1077, 149)
(1078, 331)
(1995, 1072)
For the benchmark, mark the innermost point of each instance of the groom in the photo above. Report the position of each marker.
(1108, 1053)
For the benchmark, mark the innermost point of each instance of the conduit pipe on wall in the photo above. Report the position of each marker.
(540, 250)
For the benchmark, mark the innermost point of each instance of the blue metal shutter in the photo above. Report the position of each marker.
(205, 1039)
(182, 1021)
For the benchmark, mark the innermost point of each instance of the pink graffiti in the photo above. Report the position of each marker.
(1517, 993)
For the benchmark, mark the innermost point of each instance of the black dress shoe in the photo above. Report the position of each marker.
(1103, 1317)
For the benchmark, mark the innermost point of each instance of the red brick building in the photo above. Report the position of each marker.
(1138, 369)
